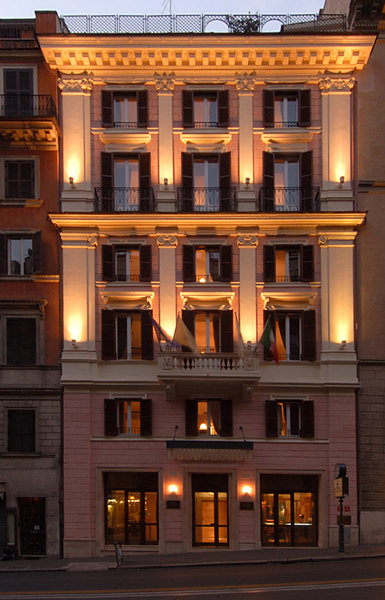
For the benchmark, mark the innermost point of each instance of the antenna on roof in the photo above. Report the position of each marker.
(167, 6)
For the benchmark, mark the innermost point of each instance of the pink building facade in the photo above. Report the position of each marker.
(207, 190)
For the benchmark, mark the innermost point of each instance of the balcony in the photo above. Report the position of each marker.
(212, 372)
(207, 199)
(124, 200)
(289, 199)
(29, 118)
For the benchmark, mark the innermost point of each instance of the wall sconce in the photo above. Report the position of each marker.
(173, 489)
(342, 181)
(165, 182)
(247, 182)
(246, 490)
(71, 180)
(343, 345)
(74, 343)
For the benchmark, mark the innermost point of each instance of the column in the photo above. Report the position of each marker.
(164, 85)
(337, 124)
(167, 244)
(78, 297)
(245, 86)
(247, 244)
(338, 357)
(77, 195)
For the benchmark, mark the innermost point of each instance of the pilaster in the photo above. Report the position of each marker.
(247, 244)
(164, 85)
(245, 85)
(167, 244)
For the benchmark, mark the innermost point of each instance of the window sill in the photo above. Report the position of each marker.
(21, 454)
(26, 202)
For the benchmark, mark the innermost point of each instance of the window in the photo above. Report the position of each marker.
(19, 179)
(294, 334)
(206, 264)
(127, 335)
(124, 109)
(287, 182)
(205, 109)
(286, 108)
(19, 254)
(206, 183)
(21, 341)
(131, 508)
(127, 263)
(21, 332)
(131, 417)
(21, 430)
(285, 264)
(126, 182)
(209, 417)
(18, 92)
(212, 330)
(289, 418)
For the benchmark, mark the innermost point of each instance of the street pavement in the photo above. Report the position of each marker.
(145, 560)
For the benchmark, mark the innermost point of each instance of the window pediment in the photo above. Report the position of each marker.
(209, 140)
(288, 301)
(207, 301)
(127, 140)
(127, 300)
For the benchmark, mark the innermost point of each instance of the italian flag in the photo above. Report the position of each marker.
(268, 340)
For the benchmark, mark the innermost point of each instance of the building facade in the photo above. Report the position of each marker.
(207, 192)
(30, 331)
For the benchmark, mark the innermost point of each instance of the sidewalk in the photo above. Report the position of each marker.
(193, 559)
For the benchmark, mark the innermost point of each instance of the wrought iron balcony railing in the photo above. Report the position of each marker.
(21, 106)
(289, 199)
(235, 24)
(207, 199)
(124, 199)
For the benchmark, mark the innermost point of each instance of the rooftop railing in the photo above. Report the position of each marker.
(198, 24)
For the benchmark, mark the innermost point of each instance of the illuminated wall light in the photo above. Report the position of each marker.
(173, 489)
(343, 345)
(73, 170)
(247, 182)
(246, 490)
(165, 182)
(75, 328)
(71, 180)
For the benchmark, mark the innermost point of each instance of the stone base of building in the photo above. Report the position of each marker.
(372, 527)
(351, 536)
(80, 548)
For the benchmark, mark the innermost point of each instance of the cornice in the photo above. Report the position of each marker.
(110, 55)
(337, 225)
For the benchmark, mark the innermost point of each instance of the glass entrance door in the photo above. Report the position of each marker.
(289, 519)
(211, 521)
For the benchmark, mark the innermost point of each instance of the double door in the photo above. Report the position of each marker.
(289, 519)
(210, 510)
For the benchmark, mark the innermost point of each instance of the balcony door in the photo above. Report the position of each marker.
(286, 183)
(126, 179)
(126, 182)
(206, 184)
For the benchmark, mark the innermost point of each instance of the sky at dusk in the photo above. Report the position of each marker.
(26, 8)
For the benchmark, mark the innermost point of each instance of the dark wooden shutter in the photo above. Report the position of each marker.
(307, 267)
(307, 429)
(110, 417)
(147, 337)
(269, 262)
(145, 262)
(304, 108)
(188, 318)
(18, 81)
(3, 254)
(191, 417)
(226, 417)
(146, 416)
(187, 108)
(225, 181)
(267, 355)
(107, 109)
(142, 104)
(108, 335)
(227, 331)
(268, 108)
(187, 182)
(188, 263)
(268, 181)
(36, 251)
(271, 421)
(309, 335)
(145, 181)
(108, 262)
(223, 108)
(226, 263)
(107, 181)
(307, 181)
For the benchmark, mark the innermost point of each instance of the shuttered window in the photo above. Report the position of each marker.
(205, 109)
(21, 430)
(127, 263)
(288, 263)
(127, 335)
(297, 334)
(207, 263)
(21, 341)
(289, 418)
(212, 330)
(209, 417)
(124, 109)
(128, 417)
(19, 179)
(286, 108)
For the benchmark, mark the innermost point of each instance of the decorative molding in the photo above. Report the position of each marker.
(75, 85)
(164, 83)
(92, 240)
(167, 240)
(246, 82)
(247, 240)
(337, 84)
